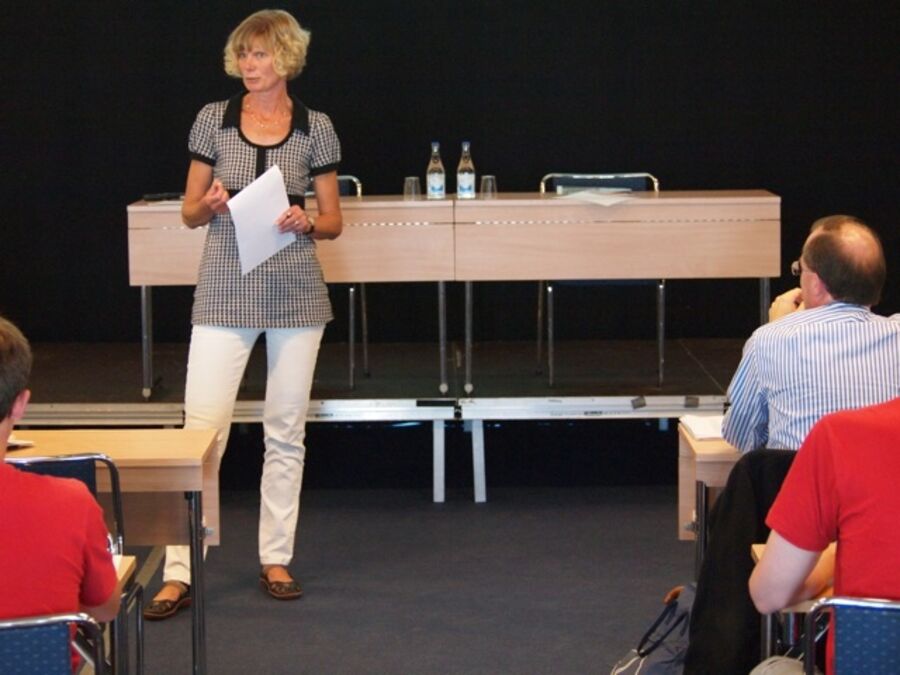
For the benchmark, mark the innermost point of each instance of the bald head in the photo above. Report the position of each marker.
(846, 255)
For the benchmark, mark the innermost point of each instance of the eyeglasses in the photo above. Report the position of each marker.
(796, 267)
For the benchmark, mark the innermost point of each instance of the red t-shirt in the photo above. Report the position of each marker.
(53, 553)
(843, 486)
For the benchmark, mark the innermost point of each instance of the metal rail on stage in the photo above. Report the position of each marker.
(472, 412)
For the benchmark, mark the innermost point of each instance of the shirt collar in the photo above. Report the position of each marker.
(232, 116)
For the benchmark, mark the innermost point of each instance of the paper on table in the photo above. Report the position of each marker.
(601, 196)
(703, 427)
(254, 211)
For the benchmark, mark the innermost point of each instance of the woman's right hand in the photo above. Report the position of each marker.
(216, 198)
(204, 196)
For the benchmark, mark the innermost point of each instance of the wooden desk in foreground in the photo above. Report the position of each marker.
(708, 461)
(156, 467)
(169, 479)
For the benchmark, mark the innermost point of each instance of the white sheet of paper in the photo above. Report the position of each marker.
(601, 196)
(254, 211)
(703, 426)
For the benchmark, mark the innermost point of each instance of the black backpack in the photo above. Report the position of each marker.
(661, 651)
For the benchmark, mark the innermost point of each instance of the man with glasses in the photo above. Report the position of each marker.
(823, 350)
(835, 354)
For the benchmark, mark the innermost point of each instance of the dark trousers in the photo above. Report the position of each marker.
(725, 626)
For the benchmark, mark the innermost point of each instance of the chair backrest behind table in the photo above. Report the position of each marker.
(83, 467)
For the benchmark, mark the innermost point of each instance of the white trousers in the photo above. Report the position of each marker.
(216, 363)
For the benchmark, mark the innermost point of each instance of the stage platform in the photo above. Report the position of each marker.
(100, 383)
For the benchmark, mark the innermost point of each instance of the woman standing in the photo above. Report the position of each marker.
(232, 143)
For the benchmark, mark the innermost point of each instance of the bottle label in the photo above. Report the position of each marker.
(436, 186)
(465, 185)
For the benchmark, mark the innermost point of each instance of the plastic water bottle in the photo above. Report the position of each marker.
(434, 174)
(465, 174)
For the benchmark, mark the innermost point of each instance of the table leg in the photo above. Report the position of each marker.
(198, 637)
(133, 598)
(147, 341)
(478, 475)
(438, 461)
(700, 544)
(364, 329)
(119, 630)
(351, 336)
(469, 387)
(443, 387)
(768, 636)
(764, 300)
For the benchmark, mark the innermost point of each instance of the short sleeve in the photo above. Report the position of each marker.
(806, 510)
(326, 148)
(99, 580)
(200, 140)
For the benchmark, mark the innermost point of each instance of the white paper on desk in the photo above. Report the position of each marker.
(254, 211)
(601, 196)
(703, 427)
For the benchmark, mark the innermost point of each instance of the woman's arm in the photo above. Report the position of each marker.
(330, 220)
(329, 223)
(204, 197)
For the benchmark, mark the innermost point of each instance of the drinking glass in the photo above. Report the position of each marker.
(411, 187)
(488, 187)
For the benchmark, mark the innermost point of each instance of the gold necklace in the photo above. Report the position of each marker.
(265, 124)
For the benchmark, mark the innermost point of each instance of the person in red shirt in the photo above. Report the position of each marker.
(842, 487)
(53, 551)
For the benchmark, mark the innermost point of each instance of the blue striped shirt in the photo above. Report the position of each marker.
(805, 365)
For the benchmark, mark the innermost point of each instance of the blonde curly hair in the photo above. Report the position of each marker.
(279, 32)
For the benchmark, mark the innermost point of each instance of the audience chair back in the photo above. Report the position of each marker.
(42, 645)
(567, 182)
(83, 467)
(866, 635)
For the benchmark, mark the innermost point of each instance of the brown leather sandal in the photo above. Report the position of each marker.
(280, 590)
(158, 610)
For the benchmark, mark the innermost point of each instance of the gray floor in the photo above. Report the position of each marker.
(560, 572)
(536, 581)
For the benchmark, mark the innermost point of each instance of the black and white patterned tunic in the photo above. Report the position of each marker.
(287, 290)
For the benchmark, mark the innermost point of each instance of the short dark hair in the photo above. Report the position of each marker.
(15, 365)
(848, 275)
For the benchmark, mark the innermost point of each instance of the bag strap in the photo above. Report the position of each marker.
(648, 643)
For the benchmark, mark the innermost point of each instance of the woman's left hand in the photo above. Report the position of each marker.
(294, 220)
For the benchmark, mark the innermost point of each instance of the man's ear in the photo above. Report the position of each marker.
(18, 407)
(819, 290)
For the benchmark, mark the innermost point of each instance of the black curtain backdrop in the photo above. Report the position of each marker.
(800, 98)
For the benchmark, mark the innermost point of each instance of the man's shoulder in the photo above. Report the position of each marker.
(828, 318)
(52, 490)
(868, 416)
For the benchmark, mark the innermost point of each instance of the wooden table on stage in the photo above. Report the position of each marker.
(721, 234)
(169, 480)
(385, 239)
(703, 465)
